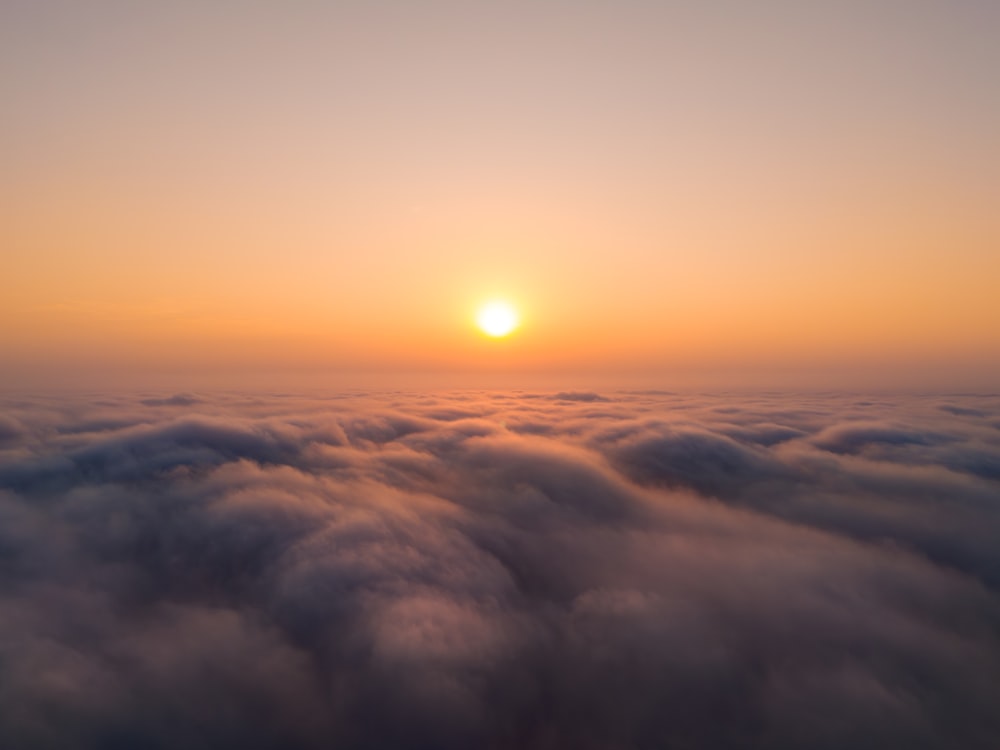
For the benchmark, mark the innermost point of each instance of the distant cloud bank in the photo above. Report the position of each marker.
(500, 570)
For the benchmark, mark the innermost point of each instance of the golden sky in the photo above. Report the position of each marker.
(658, 187)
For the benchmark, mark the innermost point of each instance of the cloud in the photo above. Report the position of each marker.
(584, 396)
(855, 438)
(10, 430)
(963, 411)
(178, 399)
(499, 570)
(709, 463)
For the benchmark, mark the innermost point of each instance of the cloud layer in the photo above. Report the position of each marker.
(499, 570)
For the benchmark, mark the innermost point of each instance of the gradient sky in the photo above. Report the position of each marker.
(660, 187)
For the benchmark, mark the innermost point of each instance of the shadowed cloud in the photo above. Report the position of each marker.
(482, 570)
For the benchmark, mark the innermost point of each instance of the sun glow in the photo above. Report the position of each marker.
(497, 319)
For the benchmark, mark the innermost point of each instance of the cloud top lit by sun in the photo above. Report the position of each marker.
(497, 319)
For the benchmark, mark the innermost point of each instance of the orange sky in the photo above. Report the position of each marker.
(658, 188)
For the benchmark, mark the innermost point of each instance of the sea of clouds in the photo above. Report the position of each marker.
(500, 570)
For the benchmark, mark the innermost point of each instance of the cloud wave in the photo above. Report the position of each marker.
(499, 570)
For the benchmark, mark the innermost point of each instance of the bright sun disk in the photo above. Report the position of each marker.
(497, 319)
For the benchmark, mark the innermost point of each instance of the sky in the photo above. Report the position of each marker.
(267, 481)
(681, 193)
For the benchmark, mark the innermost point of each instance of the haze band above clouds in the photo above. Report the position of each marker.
(497, 570)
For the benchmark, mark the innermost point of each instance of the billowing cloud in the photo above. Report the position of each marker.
(500, 570)
(178, 399)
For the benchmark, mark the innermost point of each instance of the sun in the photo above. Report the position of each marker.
(497, 319)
